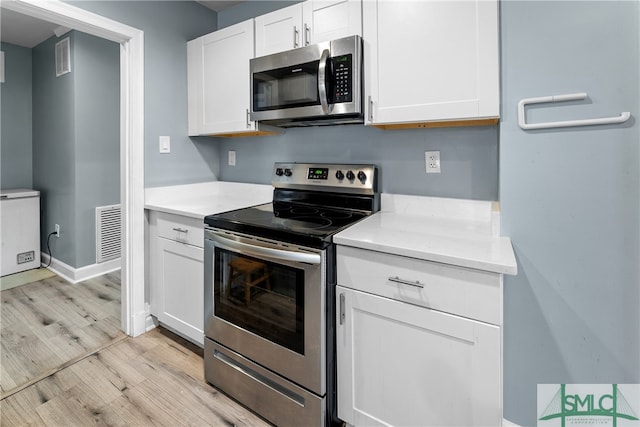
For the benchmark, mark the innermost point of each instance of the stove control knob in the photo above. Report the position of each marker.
(339, 175)
(350, 176)
(287, 172)
(279, 171)
(362, 176)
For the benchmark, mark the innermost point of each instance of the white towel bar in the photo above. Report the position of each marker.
(623, 117)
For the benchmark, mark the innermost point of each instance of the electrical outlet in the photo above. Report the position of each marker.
(57, 230)
(232, 158)
(432, 160)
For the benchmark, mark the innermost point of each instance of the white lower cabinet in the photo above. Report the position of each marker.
(177, 274)
(406, 364)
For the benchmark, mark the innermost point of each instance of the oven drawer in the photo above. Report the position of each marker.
(181, 229)
(462, 291)
(273, 397)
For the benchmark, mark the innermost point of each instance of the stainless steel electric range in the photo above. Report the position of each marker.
(270, 291)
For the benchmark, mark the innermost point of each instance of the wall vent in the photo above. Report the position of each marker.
(108, 233)
(63, 57)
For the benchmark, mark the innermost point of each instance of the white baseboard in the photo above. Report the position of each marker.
(75, 275)
(151, 323)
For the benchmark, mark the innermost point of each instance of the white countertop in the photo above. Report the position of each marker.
(206, 198)
(450, 231)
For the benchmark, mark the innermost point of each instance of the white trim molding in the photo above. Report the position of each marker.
(75, 275)
(131, 41)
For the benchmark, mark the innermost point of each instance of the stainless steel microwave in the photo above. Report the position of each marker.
(312, 85)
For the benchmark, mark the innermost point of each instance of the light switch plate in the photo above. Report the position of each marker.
(232, 158)
(165, 144)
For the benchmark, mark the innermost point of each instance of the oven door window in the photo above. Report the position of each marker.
(287, 87)
(260, 296)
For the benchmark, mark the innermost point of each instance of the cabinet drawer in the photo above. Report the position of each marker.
(181, 229)
(470, 293)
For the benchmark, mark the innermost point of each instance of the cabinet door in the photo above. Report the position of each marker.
(279, 30)
(431, 60)
(180, 276)
(326, 20)
(218, 86)
(399, 364)
(301, 24)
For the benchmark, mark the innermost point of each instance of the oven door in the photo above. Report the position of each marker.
(266, 301)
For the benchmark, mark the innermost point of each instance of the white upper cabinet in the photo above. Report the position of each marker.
(218, 81)
(301, 24)
(279, 30)
(328, 20)
(431, 61)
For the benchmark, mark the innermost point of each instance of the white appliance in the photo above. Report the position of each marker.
(20, 230)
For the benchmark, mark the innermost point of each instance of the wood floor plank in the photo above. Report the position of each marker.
(122, 412)
(19, 409)
(46, 323)
(69, 409)
(15, 413)
(154, 379)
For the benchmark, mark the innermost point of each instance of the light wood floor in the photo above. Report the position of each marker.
(48, 323)
(51, 373)
(153, 379)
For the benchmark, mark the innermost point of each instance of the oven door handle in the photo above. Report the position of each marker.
(277, 254)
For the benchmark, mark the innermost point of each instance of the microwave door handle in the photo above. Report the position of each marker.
(322, 82)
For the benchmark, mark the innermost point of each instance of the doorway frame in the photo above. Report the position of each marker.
(133, 311)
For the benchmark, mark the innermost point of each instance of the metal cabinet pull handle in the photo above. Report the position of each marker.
(370, 109)
(248, 119)
(396, 279)
(341, 309)
(307, 35)
(295, 36)
(180, 230)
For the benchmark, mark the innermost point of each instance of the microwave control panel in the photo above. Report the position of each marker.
(343, 78)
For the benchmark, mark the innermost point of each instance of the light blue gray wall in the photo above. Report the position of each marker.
(250, 9)
(570, 199)
(469, 157)
(76, 155)
(167, 26)
(54, 157)
(16, 137)
(97, 136)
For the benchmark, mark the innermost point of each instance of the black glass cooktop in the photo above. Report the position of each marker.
(292, 222)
